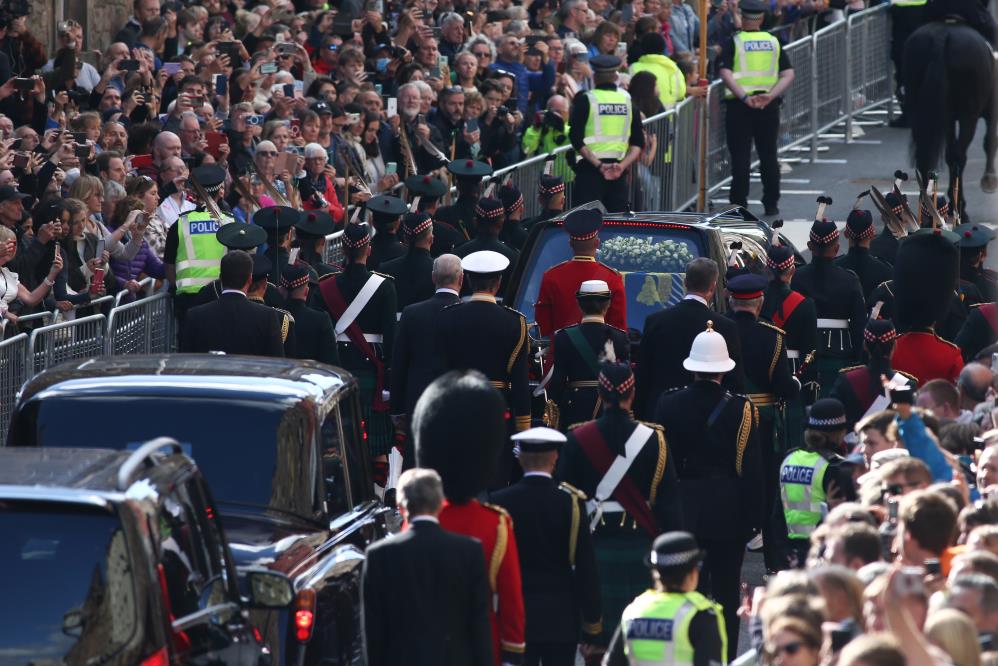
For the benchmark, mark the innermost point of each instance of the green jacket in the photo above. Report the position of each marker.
(534, 145)
(671, 83)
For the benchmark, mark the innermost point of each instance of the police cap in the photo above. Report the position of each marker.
(276, 220)
(209, 176)
(827, 414)
(674, 550)
(582, 225)
(539, 440)
(314, 224)
(485, 262)
(426, 186)
(262, 265)
(747, 286)
(386, 205)
(238, 236)
(605, 63)
(753, 8)
(469, 169)
(974, 236)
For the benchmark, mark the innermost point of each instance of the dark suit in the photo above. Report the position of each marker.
(560, 595)
(665, 344)
(413, 361)
(314, 337)
(426, 599)
(235, 325)
(413, 273)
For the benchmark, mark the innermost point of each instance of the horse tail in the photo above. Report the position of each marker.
(929, 103)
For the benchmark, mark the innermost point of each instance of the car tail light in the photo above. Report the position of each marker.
(161, 658)
(304, 615)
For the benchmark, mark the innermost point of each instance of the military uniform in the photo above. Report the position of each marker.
(365, 344)
(428, 190)
(974, 240)
(385, 245)
(261, 269)
(882, 303)
(870, 270)
(461, 214)
(512, 233)
(925, 355)
(557, 561)
(885, 246)
(979, 331)
(314, 336)
(413, 272)
(858, 386)
(489, 215)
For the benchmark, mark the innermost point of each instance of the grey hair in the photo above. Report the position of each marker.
(408, 86)
(113, 191)
(744, 304)
(567, 7)
(420, 491)
(984, 585)
(482, 39)
(315, 150)
(446, 270)
(450, 17)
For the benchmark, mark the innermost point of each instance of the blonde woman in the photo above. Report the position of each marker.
(954, 633)
(90, 191)
(11, 288)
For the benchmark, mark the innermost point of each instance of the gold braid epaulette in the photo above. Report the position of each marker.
(499, 550)
(285, 327)
(519, 345)
(776, 355)
(744, 430)
(663, 452)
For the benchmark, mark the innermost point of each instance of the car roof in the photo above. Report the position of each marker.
(192, 375)
(83, 476)
(727, 219)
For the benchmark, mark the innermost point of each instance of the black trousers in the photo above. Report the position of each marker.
(904, 21)
(590, 185)
(549, 654)
(743, 125)
(720, 579)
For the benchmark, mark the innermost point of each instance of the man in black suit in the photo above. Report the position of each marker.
(412, 271)
(425, 595)
(669, 334)
(314, 337)
(233, 324)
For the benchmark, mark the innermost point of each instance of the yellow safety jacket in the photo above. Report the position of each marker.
(199, 254)
(802, 489)
(656, 628)
(608, 127)
(671, 83)
(756, 66)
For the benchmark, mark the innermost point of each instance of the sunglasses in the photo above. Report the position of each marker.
(266, 153)
(790, 649)
(486, 54)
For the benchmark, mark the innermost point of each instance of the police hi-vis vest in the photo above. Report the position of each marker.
(656, 628)
(199, 254)
(757, 62)
(908, 3)
(802, 477)
(609, 125)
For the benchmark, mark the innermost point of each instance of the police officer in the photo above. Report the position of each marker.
(279, 223)
(512, 233)
(838, 299)
(714, 437)
(557, 562)
(770, 384)
(870, 270)
(974, 239)
(756, 71)
(362, 303)
(607, 135)
(813, 478)
(426, 192)
(556, 307)
(386, 215)
(461, 214)
(551, 196)
(257, 291)
(489, 215)
(313, 329)
(413, 270)
(577, 350)
(629, 504)
(695, 634)
(192, 254)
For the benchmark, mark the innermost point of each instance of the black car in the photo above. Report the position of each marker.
(282, 445)
(116, 558)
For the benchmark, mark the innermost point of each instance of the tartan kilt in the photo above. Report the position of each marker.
(378, 425)
(620, 560)
(827, 369)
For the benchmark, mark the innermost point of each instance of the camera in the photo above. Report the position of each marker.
(78, 96)
(553, 121)
(502, 112)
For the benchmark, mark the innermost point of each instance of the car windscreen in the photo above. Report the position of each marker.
(67, 581)
(250, 452)
(651, 258)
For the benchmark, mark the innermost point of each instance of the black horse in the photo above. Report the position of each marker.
(949, 75)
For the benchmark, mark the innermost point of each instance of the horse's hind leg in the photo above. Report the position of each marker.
(989, 181)
(957, 144)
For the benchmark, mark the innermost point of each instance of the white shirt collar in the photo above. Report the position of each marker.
(695, 297)
(445, 290)
(544, 474)
(233, 291)
(424, 519)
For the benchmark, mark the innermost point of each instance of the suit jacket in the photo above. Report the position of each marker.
(314, 337)
(413, 273)
(425, 600)
(413, 366)
(666, 343)
(235, 325)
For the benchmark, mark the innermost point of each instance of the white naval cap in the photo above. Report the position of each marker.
(594, 288)
(539, 439)
(485, 262)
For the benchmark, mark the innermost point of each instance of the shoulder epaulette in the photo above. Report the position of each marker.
(851, 368)
(772, 326)
(495, 507)
(886, 284)
(452, 305)
(611, 268)
(285, 313)
(951, 344)
(617, 329)
(572, 490)
(271, 284)
(576, 425)
(514, 310)
(327, 276)
(651, 424)
(384, 275)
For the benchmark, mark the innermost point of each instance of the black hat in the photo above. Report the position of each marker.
(469, 169)
(615, 381)
(539, 440)
(753, 8)
(548, 185)
(356, 235)
(210, 177)
(321, 108)
(926, 273)
(314, 224)
(414, 224)
(674, 550)
(426, 186)
(489, 212)
(582, 225)
(459, 428)
(276, 220)
(942, 206)
(262, 265)
(827, 414)
(895, 202)
(605, 63)
(974, 236)
(294, 276)
(823, 233)
(511, 197)
(747, 286)
(9, 193)
(386, 206)
(859, 225)
(238, 236)
(779, 257)
(879, 330)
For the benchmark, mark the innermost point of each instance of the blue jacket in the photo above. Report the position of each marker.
(921, 446)
(528, 82)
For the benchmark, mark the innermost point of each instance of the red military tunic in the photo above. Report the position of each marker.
(556, 306)
(927, 356)
(494, 528)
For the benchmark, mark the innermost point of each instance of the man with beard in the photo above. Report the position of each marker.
(419, 133)
(450, 123)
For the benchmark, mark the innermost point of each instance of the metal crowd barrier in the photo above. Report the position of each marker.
(14, 371)
(144, 326)
(332, 254)
(77, 339)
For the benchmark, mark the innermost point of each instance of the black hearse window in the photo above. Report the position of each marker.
(337, 482)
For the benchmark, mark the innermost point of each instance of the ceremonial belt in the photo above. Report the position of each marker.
(833, 323)
(362, 298)
(763, 399)
(336, 304)
(502, 386)
(787, 307)
(374, 338)
(584, 383)
(793, 354)
(622, 489)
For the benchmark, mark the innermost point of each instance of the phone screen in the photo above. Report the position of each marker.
(293, 255)
(391, 168)
(471, 125)
(392, 109)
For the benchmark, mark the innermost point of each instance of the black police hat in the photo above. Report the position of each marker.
(879, 330)
(276, 220)
(386, 206)
(314, 224)
(489, 211)
(209, 176)
(823, 233)
(779, 257)
(294, 276)
(238, 236)
(747, 286)
(674, 550)
(548, 185)
(753, 8)
(414, 224)
(583, 224)
(974, 236)
(426, 186)
(605, 63)
(539, 440)
(859, 225)
(262, 265)
(357, 235)
(459, 428)
(469, 169)
(827, 414)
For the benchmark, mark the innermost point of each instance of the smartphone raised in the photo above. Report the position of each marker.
(471, 125)
(392, 107)
(391, 168)
(268, 68)
(129, 65)
(214, 140)
(142, 161)
(171, 68)
(20, 161)
(221, 85)
(23, 84)
(82, 152)
(80, 137)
